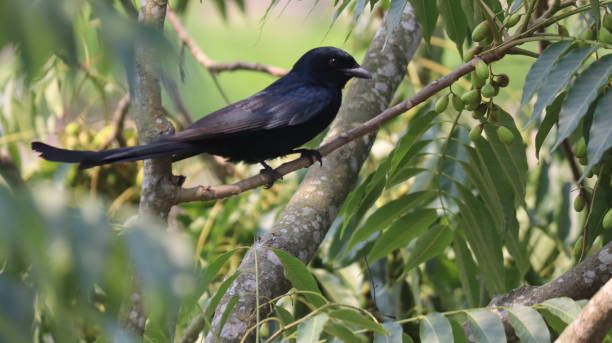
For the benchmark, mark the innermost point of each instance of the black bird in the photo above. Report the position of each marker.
(271, 123)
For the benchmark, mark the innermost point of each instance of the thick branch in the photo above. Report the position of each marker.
(580, 282)
(304, 222)
(594, 321)
(212, 66)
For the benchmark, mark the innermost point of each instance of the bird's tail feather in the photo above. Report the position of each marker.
(88, 159)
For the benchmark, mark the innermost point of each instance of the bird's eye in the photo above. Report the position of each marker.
(332, 61)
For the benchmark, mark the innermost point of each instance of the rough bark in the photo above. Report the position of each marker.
(595, 320)
(580, 282)
(158, 182)
(145, 99)
(305, 221)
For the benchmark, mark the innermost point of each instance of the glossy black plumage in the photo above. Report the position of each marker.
(272, 123)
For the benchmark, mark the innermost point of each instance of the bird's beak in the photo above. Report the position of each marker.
(357, 71)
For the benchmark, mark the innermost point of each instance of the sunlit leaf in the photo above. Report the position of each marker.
(564, 308)
(394, 336)
(435, 328)
(356, 318)
(486, 326)
(309, 331)
(552, 115)
(528, 324)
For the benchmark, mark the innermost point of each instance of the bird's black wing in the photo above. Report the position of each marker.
(266, 110)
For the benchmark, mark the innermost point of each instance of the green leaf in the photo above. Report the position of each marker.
(552, 115)
(402, 175)
(581, 94)
(435, 328)
(486, 326)
(356, 318)
(458, 332)
(386, 214)
(214, 267)
(429, 245)
(426, 13)
(310, 330)
(454, 21)
(341, 332)
(300, 277)
(467, 270)
(600, 136)
(214, 301)
(565, 308)
(394, 336)
(541, 68)
(558, 78)
(417, 127)
(528, 324)
(476, 223)
(401, 233)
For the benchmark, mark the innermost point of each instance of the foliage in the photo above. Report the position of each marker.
(451, 209)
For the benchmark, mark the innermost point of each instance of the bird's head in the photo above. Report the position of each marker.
(330, 66)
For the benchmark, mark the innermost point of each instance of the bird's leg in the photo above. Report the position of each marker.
(270, 174)
(311, 154)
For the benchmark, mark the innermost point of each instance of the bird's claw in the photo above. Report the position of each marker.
(271, 175)
(312, 154)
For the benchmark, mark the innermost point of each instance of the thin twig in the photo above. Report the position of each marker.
(207, 62)
(118, 123)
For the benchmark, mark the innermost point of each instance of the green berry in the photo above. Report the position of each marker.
(513, 20)
(580, 150)
(471, 106)
(471, 53)
(488, 91)
(583, 161)
(481, 69)
(607, 220)
(481, 32)
(471, 97)
(501, 80)
(578, 247)
(480, 111)
(457, 102)
(505, 135)
(441, 104)
(475, 133)
(579, 203)
(477, 82)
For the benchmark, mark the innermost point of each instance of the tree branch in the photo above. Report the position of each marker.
(303, 224)
(580, 282)
(212, 66)
(594, 321)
